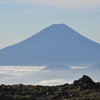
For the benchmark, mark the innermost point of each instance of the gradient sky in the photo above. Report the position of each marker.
(20, 19)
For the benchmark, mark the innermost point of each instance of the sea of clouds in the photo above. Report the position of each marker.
(28, 75)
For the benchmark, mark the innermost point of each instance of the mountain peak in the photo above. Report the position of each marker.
(86, 78)
(59, 24)
(84, 82)
(57, 44)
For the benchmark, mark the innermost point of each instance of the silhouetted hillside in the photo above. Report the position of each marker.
(83, 89)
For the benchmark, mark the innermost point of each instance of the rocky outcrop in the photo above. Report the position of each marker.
(85, 83)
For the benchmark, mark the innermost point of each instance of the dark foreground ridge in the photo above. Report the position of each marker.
(83, 89)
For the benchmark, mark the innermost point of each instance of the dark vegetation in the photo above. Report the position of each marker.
(83, 89)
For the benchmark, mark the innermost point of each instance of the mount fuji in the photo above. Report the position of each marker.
(54, 45)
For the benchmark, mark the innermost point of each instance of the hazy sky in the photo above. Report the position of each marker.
(20, 19)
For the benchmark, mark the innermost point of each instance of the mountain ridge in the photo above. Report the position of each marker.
(82, 89)
(56, 44)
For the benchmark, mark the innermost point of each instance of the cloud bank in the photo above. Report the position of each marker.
(18, 71)
(54, 82)
(89, 4)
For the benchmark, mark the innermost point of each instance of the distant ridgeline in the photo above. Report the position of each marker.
(83, 89)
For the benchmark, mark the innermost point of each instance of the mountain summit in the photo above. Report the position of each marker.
(84, 82)
(56, 44)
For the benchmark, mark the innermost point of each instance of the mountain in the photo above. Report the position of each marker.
(85, 82)
(56, 44)
(56, 68)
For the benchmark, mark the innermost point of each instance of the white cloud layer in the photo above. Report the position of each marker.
(19, 71)
(90, 4)
(77, 67)
(53, 82)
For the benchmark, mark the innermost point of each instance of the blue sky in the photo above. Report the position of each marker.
(20, 19)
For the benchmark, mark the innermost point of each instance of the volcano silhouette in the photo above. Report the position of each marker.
(56, 44)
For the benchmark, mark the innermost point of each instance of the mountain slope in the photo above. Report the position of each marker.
(56, 44)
